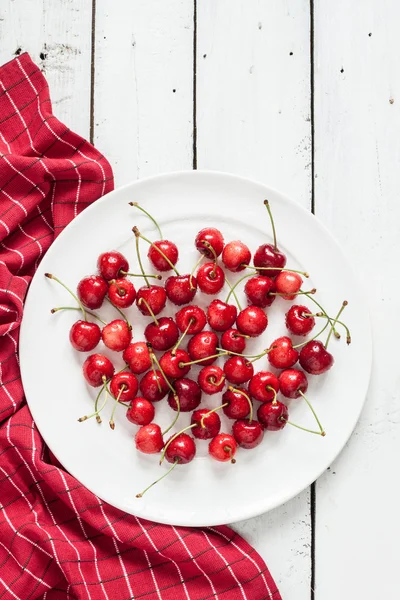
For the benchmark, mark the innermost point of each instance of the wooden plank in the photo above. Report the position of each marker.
(143, 100)
(57, 36)
(357, 153)
(253, 119)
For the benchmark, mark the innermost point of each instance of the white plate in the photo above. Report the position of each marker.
(204, 492)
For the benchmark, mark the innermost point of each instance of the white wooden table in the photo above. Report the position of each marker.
(305, 96)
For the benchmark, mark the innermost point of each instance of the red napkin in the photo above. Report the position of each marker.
(57, 539)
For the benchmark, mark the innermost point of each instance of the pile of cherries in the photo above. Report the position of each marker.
(166, 375)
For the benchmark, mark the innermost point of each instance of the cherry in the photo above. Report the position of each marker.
(233, 341)
(111, 265)
(223, 447)
(140, 412)
(173, 364)
(288, 284)
(273, 415)
(191, 319)
(298, 320)
(137, 357)
(211, 379)
(238, 404)
(124, 386)
(167, 248)
(84, 336)
(189, 395)
(293, 383)
(207, 424)
(268, 256)
(220, 315)
(154, 297)
(122, 293)
(238, 369)
(181, 289)
(257, 290)
(209, 236)
(282, 355)
(210, 278)
(149, 439)
(203, 345)
(162, 334)
(180, 448)
(92, 290)
(153, 386)
(96, 369)
(264, 386)
(235, 256)
(117, 335)
(315, 358)
(252, 321)
(248, 434)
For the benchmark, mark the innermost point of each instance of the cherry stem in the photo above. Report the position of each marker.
(88, 312)
(313, 338)
(266, 204)
(193, 270)
(210, 412)
(147, 305)
(178, 412)
(348, 336)
(255, 356)
(321, 429)
(126, 274)
(173, 438)
(50, 276)
(137, 232)
(237, 283)
(211, 249)
(273, 390)
(121, 389)
(121, 291)
(323, 310)
(200, 360)
(96, 410)
(154, 358)
(158, 480)
(304, 428)
(232, 291)
(299, 293)
(233, 389)
(137, 235)
(120, 312)
(178, 343)
(345, 303)
(149, 215)
(213, 381)
(276, 269)
(229, 450)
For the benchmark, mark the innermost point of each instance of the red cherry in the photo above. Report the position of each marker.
(264, 386)
(220, 315)
(192, 315)
(169, 249)
(223, 447)
(137, 357)
(233, 340)
(257, 290)
(238, 405)
(117, 335)
(292, 382)
(153, 386)
(213, 237)
(155, 297)
(181, 449)
(211, 424)
(84, 336)
(238, 369)
(273, 415)
(235, 255)
(95, 367)
(163, 334)
(122, 293)
(297, 322)
(211, 379)
(131, 386)
(315, 358)
(111, 264)
(248, 434)
(252, 321)
(149, 439)
(181, 289)
(92, 290)
(210, 278)
(267, 255)
(171, 364)
(140, 412)
(189, 395)
(289, 284)
(282, 355)
(203, 344)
